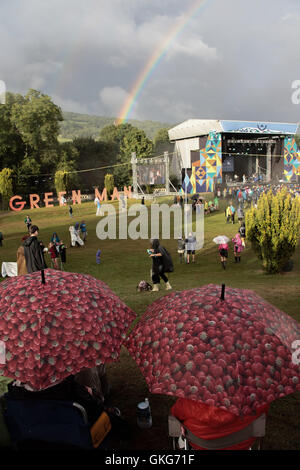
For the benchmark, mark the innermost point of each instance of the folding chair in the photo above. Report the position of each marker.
(178, 432)
(47, 424)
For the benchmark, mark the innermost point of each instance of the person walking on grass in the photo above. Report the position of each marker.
(240, 214)
(238, 247)
(161, 263)
(181, 248)
(28, 222)
(62, 250)
(54, 254)
(190, 247)
(33, 251)
(70, 212)
(223, 252)
(97, 203)
(232, 208)
(228, 214)
(242, 232)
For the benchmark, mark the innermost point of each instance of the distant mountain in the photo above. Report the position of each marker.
(85, 125)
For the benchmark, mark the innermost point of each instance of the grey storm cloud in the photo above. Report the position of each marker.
(233, 60)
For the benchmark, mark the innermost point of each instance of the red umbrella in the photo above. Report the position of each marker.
(234, 353)
(53, 329)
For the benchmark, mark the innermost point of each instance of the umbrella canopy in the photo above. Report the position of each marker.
(234, 353)
(221, 240)
(55, 329)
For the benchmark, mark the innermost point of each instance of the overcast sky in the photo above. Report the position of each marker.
(236, 59)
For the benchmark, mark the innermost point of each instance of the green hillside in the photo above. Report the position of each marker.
(85, 125)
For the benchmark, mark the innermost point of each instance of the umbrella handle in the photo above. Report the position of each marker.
(223, 292)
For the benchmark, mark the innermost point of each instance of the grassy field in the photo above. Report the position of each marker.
(124, 263)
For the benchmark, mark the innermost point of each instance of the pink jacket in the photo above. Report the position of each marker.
(223, 246)
(238, 244)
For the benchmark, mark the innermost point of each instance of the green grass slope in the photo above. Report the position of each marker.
(124, 263)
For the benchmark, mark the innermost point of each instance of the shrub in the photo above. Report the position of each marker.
(109, 183)
(273, 229)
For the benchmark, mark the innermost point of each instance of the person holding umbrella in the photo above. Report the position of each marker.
(222, 241)
(58, 317)
(229, 348)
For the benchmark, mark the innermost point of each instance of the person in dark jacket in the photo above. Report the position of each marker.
(62, 249)
(33, 251)
(158, 255)
(67, 390)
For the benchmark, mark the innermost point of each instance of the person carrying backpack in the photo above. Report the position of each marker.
(242, 232)
(161, 263)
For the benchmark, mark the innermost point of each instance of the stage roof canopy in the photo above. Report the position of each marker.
(199, 127)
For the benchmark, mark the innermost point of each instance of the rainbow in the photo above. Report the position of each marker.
(156, 58)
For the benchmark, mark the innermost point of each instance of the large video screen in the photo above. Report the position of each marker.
(151, 174)
(228, 164)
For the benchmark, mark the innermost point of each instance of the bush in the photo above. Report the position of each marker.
(109, 183)
(6, 186)
(273, 229)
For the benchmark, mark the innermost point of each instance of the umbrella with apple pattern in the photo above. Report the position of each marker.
(54, 328)
(233, 351)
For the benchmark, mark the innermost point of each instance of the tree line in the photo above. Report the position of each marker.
(33, 159)
(84, 125)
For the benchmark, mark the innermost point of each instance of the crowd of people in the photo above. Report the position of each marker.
(31, 253)
(90, 387)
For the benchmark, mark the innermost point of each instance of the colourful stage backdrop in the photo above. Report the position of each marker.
(291, 159)
(206, 167)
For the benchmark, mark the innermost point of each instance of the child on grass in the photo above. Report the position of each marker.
(223, 251)
(54, 254)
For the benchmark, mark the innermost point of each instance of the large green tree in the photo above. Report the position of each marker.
(66, 176)
(126, 139)
(161, 137)
(36, 119)
(94, 154)
(29, 127)
(12, 147)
